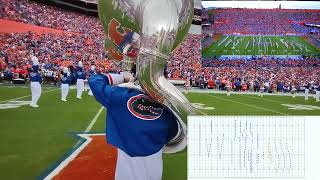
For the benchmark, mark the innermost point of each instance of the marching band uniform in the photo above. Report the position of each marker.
(261, 89)
(306, 92)
(91, 72)
(318, 93)
(81, 76)
(65, 82)
(228, 87)
(35, 84)
(136, 125)
(293, 91)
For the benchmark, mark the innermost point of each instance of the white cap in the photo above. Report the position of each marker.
(80, 64)
(35, 60)
(135, 36)
(93, 67)
(65, 70)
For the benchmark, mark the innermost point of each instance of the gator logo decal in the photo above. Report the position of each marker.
(144, 108)
(115, 54)
(114, 34)
(117, 34)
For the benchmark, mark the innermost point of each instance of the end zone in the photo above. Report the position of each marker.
(93, 158)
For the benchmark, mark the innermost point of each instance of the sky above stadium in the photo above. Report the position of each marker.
(263, 4)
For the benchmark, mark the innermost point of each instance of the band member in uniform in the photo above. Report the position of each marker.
(81, 76)
(228, 87)
(306, 91)
(91, 72)
(187, 85)
(318, 92)
(138, 126)
(65, 82)
(293, 90)
(261, 89)
(36, 81)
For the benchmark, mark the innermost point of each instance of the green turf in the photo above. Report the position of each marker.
(251, 104)
(32, 140)
(260, 45)
(23, 91)
(14, 93)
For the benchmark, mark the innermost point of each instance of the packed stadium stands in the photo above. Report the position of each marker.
(82, 41)
(263, 21)
(284, 73)
(49, 16)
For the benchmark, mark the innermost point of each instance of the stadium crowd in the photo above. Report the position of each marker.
(81, 42)
(279, 74)
(186, 59)
(57, 50)
(273, 74)
(266, 22)
(263, 21)
(31, 12)
(53, 50)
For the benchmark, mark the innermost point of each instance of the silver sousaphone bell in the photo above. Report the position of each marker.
(144, 32)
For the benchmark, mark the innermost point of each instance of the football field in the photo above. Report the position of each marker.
(35, 140)
(260, 45)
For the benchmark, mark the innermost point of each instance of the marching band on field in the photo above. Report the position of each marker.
(81, 77)
(65, 80)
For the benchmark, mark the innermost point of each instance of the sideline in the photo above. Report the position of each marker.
(27, 96)
(86, 139)
(91, 124)
(257, 107)
(93, 121)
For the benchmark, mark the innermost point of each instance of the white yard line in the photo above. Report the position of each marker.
(201, 112)
(93, 121)
(257, 107)
(91, 124)
(214, 91)
(274, 101)
(261, 98)
(74, 154)
(26, 96)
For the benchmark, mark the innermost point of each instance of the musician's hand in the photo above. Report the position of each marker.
(126, 76)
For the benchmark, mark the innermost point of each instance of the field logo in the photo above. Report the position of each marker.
(201, 106)
(144, 108)
(301, 107)
(13, 104)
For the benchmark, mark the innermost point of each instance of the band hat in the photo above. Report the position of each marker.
(80, 64)
(65, 70)
(35, 60)
(93, 67)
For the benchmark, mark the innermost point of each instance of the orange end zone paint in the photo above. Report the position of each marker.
(7, 26)
(96, 161)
